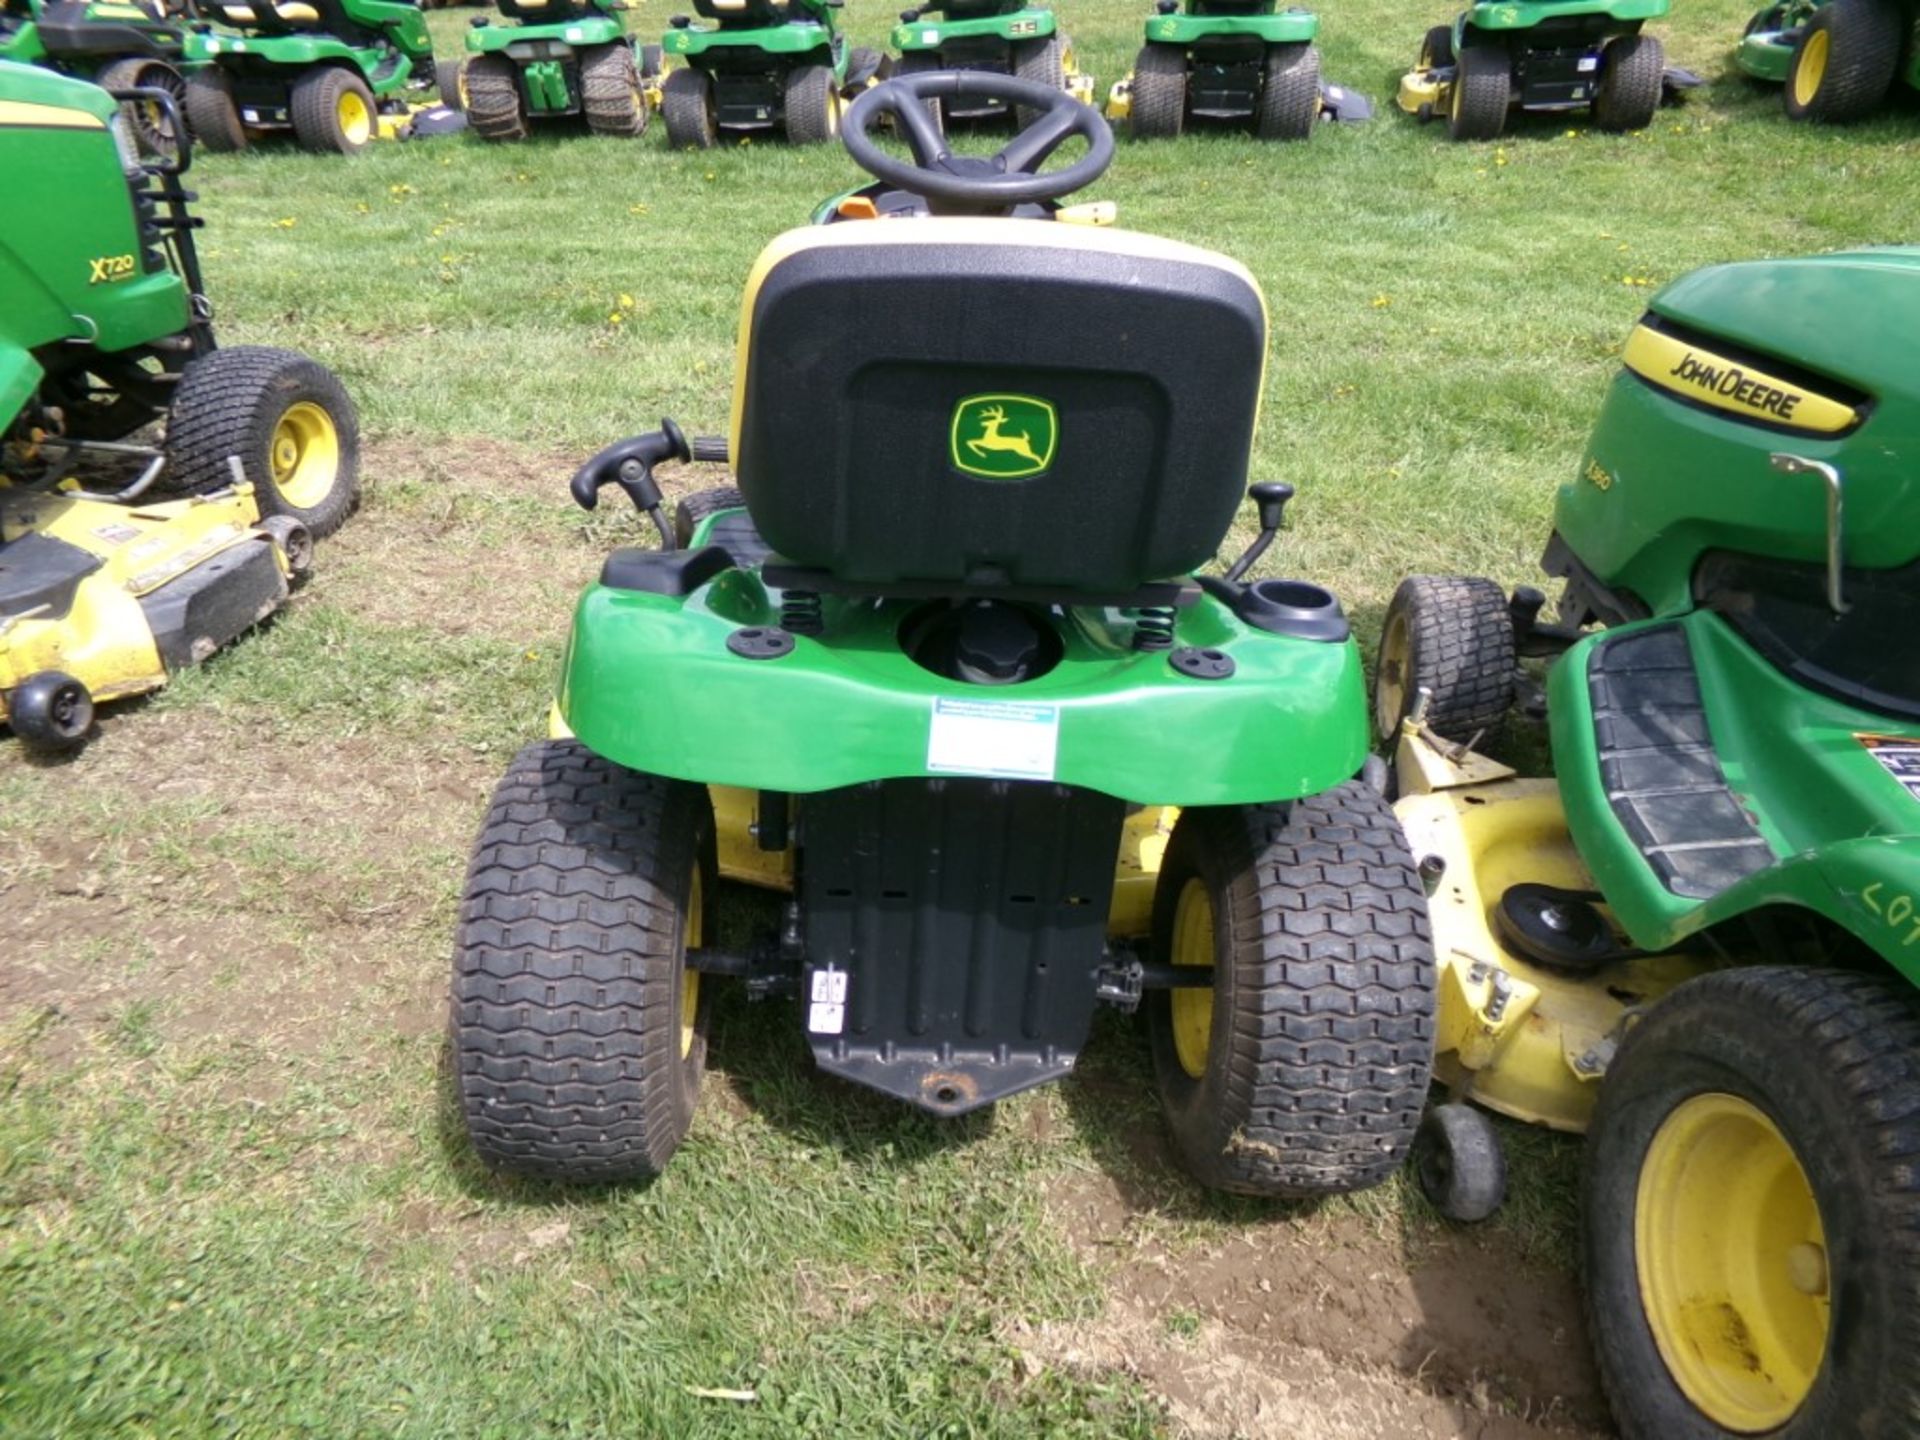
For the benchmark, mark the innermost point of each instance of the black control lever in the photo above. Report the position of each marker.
(629, 464)
(1270, 498)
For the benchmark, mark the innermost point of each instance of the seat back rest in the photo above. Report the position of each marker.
(748, 12)
(547, 11)
(987, 403)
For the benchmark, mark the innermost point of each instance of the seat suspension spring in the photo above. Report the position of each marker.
(1153, 627)
(800, 612)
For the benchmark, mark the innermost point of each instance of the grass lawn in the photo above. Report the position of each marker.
(233, 1199)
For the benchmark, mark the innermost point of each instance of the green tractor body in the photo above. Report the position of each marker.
(1547, 56)
(555, 59)
(760, 66)
(116, 44)
(1699, 942)
(1239, 62)
(996, 35)
(1837, 60)
(331, 71)
(104, 334)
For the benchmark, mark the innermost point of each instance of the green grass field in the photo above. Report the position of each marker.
(233, 1199)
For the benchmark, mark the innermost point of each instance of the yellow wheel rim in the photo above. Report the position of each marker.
(1390, 688)
(1193, 1004)
(833, 113)
(356, 120)
(305, 454)
(1811, 69)
(689, 977)
(1732, 1261)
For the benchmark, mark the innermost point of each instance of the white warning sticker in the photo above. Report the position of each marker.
(1899, 756)
(1003, 739)
(827, 1002)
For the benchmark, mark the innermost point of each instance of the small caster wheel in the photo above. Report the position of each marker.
(295, 542)
(1458, 1161)
(50, 712)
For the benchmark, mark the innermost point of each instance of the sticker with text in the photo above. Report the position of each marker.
(827, 1002)
(1899, 756)
(1002, 739)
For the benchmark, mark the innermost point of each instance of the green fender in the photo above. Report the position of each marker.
(593, 30)
(1525, 14)
(1873, 890)
(1289, 27)
(19, 377)
(23, 45)
(798, 37)
(931, 34)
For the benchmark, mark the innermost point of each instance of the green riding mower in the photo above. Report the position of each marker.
(1238, 62)
(1545, 56)
(335, 72)
(124, 557)
(942, 670)
(1837, 60)
(1698, 944)
(760, 67)
(1004, 37)
(117, 44)
(556, 59)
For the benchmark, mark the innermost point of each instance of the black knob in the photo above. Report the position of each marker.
(1167, 7)
(680, 22)
(909, 16)
(1271, 496)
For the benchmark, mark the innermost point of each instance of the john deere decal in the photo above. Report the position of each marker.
(1726, 385)
(1003, 437)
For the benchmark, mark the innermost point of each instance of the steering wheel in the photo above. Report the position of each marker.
(970, 184)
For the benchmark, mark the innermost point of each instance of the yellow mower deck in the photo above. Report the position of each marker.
(162, 574)
(1512, 1035)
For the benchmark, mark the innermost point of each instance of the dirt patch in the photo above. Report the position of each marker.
(1328, 1327)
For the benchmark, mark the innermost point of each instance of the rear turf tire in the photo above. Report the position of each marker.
(1453, 635)
(1482, 88)
(213, 117)
(1632, 76)
(1436, 50)
(1289, 93)
(610, 91)
(812, 106)
(289, 420)
(447, 80)
(578, 1045)
(495, 110)
(1829, 1062)
(333, 112)
(688, 514)
(1844, 63)
(1159, 108)
(151, 128)
(1044, 62)
(1304, 1070)
(686, 101)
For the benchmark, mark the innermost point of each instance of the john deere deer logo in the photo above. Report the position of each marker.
(1003, 437)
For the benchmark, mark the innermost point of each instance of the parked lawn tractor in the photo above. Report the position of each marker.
(123, 558)
(1004, 37)
(1838, 60)
(117, 44)
(761, 66)
(1699, 943)
(1540, 55)
(1234, 61)
(555, 59)
(940, 669)
(335, 72)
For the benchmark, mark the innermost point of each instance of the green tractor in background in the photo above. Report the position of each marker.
(333, 71)
(762, 66)
(124, 557)
(1004, 37)
(1540, 55)
(1699, 943)
(555, 59)
(1837, 60)
(117, 44)
(1234, 61)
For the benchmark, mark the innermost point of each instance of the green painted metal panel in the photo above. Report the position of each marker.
(593, 30)
(1525, 14)
(794, 38)
(931, 32)
(1289, 27)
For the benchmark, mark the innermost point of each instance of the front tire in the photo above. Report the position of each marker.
(610, 92)
(1844, 63)
(151, 127)
(1453, 636)
(1159, 109)
(579, 1034)
(1752, 1211)
(1632, 74)
(686, 100)
(1044, 62)
(1303, 1070)
(287, 417)
(1482, 89)
(1289, 94)
(212, 114)
(334, 112)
